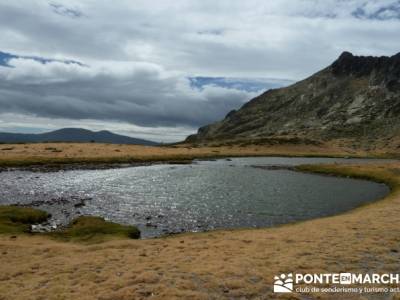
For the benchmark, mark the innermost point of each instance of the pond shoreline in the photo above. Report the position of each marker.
(56, 166)
(71, 205)
(85, 156)
(220, 264)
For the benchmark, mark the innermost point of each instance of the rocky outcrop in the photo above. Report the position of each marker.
(356, 98)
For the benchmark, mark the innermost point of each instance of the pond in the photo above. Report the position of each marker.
(205, 195)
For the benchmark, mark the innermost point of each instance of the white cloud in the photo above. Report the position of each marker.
(139, 54)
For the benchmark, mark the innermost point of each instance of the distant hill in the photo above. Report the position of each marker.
(355, 102)
(73, 135)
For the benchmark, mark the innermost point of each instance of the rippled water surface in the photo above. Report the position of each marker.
(202, 196)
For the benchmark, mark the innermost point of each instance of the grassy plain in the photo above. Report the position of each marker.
(226, 264)
(91, 153)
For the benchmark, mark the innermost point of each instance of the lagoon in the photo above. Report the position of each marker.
(206, 195)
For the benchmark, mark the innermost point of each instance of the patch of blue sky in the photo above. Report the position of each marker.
(65, 11)
(387, 12)
(243, 84)
(6, 57)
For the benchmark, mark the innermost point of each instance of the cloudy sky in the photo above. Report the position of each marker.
(160, 69)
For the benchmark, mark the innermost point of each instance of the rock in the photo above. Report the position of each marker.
(79, 204)
(41, 228)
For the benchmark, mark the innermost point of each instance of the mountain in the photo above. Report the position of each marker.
(73, 135)
(355, 100)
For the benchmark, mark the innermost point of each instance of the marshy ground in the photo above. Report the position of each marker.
(228, 264)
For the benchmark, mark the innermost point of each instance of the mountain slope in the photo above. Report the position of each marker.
(356, 99)
(72, 135)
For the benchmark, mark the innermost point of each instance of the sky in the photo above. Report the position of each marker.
(161, 69)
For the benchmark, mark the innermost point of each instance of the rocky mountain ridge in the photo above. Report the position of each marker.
(356, 99)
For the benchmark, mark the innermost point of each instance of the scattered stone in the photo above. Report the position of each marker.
(82, 202)
(274, 167)
(149, 224)
(41, 228)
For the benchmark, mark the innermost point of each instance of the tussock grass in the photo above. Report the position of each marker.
(15, 219)
(375, 173)
(95, 229)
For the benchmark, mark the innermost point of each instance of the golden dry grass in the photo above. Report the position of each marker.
(46, 153)
(238, 264)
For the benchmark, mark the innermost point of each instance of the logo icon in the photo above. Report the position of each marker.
(345, 278)
(283, 283)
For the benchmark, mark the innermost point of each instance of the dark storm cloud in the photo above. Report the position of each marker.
(135, 93)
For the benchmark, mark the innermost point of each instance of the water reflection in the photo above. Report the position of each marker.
(202, 196)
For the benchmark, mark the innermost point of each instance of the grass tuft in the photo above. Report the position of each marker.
(18, 220)
(377, 173)
(14, 219)
(95, 229)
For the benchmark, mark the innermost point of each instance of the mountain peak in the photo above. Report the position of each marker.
(356, 98)
(345, 55)
(72, 130)
(348, 64)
